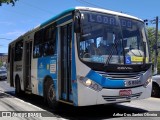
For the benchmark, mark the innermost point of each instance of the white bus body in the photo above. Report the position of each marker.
(55, 59)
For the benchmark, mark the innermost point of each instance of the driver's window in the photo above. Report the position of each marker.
(88, 48)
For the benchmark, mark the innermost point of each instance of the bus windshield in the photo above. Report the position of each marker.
(112, 39)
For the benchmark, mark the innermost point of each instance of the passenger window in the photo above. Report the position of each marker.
(18, 50)
(45, 42)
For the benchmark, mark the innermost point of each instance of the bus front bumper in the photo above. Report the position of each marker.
(107, 96)
(113, 95)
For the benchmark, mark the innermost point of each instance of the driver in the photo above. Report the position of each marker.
(92, 48)
(102, 47)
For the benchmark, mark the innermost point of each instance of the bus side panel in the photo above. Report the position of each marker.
(34, 79)
(46, 67)
(18, 71)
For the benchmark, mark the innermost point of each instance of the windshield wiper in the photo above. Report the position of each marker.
(113, 48)
(110, 56)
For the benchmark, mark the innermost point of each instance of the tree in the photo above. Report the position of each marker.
(8, 2)
(152, 41)
(0, 63)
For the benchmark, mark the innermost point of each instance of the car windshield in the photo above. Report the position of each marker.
(111, 39)
(3, 72)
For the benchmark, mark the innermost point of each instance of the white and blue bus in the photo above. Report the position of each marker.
(83, 56)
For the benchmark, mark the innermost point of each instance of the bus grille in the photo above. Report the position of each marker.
(120, 98)
(125, 76)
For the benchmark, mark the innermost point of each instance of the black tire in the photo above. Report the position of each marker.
(18, 90)
(50, 94)
(155, 90)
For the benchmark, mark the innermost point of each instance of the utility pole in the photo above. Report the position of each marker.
(156, 48)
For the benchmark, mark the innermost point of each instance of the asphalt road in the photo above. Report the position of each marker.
(134, 110)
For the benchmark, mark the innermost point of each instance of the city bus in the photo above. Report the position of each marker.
(83, 56)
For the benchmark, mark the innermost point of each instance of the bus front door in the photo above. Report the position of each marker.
(66, 38)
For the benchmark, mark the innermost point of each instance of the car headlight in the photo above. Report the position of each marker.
(147, 82)
(90, 83)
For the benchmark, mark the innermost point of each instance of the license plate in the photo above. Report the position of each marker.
(125, 92)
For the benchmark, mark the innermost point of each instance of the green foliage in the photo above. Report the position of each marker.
(151, 38)
(152, 41)
(0, 63)
(158, 66)
(8, 2)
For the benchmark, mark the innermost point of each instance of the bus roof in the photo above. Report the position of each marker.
(108, 12)
(89, 9)
(57, 16)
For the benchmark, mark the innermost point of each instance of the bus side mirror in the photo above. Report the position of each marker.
(77, 28)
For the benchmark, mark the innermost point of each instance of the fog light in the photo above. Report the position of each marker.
(88, 82)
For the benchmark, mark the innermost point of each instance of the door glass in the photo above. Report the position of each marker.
(28, 64)
(66, 37)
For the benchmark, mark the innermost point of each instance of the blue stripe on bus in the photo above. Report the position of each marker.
(74, 78)
(105, 82)
(56, 17)
(46, 67)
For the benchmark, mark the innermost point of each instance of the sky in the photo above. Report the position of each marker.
(27, 14)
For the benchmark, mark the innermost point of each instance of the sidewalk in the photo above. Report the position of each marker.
(13, 108)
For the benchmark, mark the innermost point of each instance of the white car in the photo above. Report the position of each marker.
(3, 74)
(156, 86)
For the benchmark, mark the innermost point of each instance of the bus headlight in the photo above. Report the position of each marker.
(147, 82)
(89, 83)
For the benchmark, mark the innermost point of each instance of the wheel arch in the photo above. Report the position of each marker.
(155, 83)
(155, 89)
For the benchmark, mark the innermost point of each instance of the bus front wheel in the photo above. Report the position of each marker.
(50, 94)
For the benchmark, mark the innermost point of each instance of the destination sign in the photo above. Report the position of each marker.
(109, 20)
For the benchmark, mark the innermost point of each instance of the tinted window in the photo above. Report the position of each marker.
(3, 72)
(18, 50)
(44, 42)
